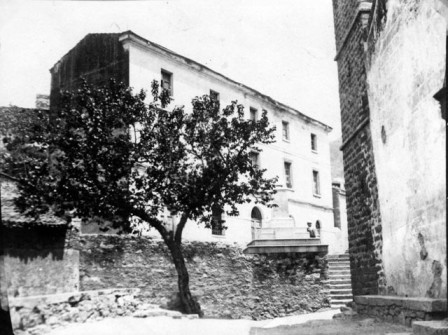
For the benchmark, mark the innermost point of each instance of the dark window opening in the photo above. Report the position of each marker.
(253, 114)
(253, 156)
(313, 142)
(214, 96)
(285, 130)
(167, 81)
(217, 221)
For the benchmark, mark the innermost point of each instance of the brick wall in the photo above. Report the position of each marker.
(364, 221)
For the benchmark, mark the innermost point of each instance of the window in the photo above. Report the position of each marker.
(214, 96)
(254, 158)
(285, 130)
(288, 178)
(314, 142)
(167, 81)
(253, 114)
(217, 221)
(316, 183)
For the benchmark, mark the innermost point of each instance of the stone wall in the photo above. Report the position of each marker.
(407, 62)
(363, 216)
(33, 272)
(227, 283)
(401, 309)
(38, 260)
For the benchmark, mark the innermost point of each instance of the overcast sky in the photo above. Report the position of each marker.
(282, 48)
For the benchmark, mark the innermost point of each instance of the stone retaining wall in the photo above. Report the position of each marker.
(401, 309)
(227, 283)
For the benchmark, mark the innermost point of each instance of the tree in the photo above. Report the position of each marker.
(19, 127)
(114, 156)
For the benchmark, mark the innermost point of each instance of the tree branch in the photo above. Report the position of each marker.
(153, 222)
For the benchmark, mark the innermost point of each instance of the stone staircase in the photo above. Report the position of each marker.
(339, 280)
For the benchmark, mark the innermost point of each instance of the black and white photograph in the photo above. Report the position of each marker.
(252, 167)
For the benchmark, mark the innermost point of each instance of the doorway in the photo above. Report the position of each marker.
(256, 223)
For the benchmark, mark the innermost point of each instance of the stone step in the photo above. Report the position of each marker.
(339, 265)
(341, 297)
(338, 272)
(341, 277)
(347, 291)
(334, 273)
(337, 268)
(340, 286)
(340, 282)
(339, 261)
(340, 303)
(338, 257)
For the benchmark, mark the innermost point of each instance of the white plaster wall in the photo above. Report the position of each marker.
(188, 82)
(406, 70)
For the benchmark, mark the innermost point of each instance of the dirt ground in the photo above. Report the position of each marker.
(353, 326)
(169, 326)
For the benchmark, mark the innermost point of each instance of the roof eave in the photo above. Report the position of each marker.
(133, 37)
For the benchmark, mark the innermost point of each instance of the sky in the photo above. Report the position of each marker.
(282, 48)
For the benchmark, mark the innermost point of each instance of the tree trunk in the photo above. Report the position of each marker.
(189, 304)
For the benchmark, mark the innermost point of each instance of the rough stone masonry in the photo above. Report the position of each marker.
(363, 215)
(227, 282)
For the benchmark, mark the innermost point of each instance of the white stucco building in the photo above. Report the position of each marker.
(300, 157)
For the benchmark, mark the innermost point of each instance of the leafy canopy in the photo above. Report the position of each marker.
(112, 155)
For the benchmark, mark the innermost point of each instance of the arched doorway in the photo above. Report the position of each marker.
(256, 220)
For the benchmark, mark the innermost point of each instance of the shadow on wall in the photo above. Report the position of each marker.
(28, 242)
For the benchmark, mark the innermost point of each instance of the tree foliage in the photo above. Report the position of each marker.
(110, 154)
(19, 128)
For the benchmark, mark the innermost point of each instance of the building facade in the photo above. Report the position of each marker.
(391, 58)
(300, 157)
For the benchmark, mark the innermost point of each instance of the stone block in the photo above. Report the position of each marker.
(430, 328)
